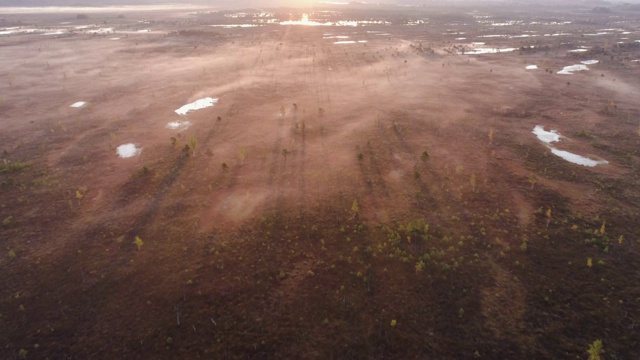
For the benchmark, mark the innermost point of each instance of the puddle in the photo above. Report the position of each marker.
(78, 104)
(128, 150)
(197, 105)
(101, 31)
(231, 26)
(508, 23)
(350, 42)
(552, 136)
(481, 51)
(531, 67)
(546, 137)
(577, 159)
(590, 62)
(304, 21)
(568, 70)
(178, 125)
(116, 38)
(19, 30)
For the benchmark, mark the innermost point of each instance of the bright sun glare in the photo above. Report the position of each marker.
(304, 21)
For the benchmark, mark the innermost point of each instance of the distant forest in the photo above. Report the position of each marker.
(628, 5)
(84, 2)
(122, 2)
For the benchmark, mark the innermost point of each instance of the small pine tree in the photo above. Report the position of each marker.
(242, 155)
(193, 142)
(533, 179)
(355, 208)
(595, 350)
(138, 242)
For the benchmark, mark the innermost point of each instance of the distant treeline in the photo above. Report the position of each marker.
(96, 3)
(91, 3)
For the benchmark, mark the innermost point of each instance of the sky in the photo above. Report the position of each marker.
(271, 3)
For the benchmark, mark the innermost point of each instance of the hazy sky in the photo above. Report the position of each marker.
(287, 3)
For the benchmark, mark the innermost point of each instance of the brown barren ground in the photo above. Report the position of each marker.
(382, 199)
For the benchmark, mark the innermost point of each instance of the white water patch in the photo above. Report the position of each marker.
(546, 137)
(508, 23)
(232, 26)
(350, 42)
(477, 43)
(589, 62)
(179, 125)
(460, 39)
(197, 105)
(552, 136)
(481, 51)
(128, 150)
(61, 32)
(578, 50)
(569, 70)
(78, 104)
(577, 159)
(20, 30)
(336, 37)
(304, 21)
(101, 31)
(115, 38)
(531, 67)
